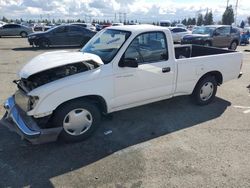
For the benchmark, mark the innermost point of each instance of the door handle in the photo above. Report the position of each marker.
(166, 69)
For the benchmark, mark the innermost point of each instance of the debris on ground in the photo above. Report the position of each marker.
(108, 132)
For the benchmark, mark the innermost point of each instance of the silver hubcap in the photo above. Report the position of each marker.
(233, 46)
(23, 34)
(206, 91)
(77, 121)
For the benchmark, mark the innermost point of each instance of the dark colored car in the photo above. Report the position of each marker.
(64, 35)
(222, 36)
(15, 30)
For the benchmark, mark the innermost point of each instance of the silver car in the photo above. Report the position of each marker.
(15, 30)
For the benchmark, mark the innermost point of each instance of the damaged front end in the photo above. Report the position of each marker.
(34, 129)
(47, 76)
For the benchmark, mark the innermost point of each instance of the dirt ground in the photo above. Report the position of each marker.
(172, 143)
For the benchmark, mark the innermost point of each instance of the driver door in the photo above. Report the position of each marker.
(154, 76)
(60, 36)
(221, 37)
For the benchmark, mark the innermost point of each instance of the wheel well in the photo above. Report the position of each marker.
(216, 74)
(23, 32)
(237, 42)
(98, 100)
(44, 39)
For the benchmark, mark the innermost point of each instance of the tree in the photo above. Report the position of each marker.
(189, 22)
(208, 18)
(4, 19)
(184, 22)
(228, 16)
(200, 20)
(242, 24)
(193, 21)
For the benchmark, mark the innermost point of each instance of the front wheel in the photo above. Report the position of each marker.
(205, 90)
(79, 120)
(233, 45)
(43, 43)
(23, 34)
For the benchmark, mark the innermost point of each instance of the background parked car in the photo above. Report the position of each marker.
(85, 25)
(2, 23)
(15, 30)
(178, 33)
(63, 35)
(223, 36)
(180, 25)
(117, 24)
(245, 35)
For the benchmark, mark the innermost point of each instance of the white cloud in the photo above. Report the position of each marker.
(142, 10)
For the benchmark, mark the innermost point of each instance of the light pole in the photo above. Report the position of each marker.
(236, 9)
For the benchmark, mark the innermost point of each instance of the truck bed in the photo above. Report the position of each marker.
(188, 51)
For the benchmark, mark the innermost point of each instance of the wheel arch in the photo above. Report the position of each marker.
(97, 99)
(216, 74)
(44, 38)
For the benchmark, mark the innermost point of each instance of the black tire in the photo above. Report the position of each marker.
(62, 117)
(206, 82)
(23, 34)
(43, 43)
(233, 45)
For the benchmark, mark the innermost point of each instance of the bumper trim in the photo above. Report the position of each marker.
(13, 113)
(25, 126)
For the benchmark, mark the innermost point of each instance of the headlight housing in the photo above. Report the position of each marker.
(33, 100)
(25, 102)
(32, 37)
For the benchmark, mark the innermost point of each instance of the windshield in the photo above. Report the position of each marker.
(204, 31)
(106, 44)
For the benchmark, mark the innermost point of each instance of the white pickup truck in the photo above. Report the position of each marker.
(64, 94)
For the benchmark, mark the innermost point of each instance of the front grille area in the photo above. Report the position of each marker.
(22, 100)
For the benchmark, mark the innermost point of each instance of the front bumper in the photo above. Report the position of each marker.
(33, 41)
(16, 120)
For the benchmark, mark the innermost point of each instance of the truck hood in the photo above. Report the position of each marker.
(55, 59)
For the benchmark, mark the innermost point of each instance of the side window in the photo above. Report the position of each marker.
(223, 31)
(61, 30)
(174, 30)
(183, 30)
(6, 26)
(15, 26)
(75, 29)
(148, 48)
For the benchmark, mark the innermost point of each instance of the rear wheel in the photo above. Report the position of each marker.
(205, 90)
(233, 45)
(79, 120)
(23, 34)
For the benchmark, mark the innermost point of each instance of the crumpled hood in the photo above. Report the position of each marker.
(196, 36)
(50, 60)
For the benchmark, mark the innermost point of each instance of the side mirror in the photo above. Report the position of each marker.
(128, 62)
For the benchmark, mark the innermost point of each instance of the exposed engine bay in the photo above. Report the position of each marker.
(53, 74)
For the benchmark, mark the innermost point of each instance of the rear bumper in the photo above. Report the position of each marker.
(17, 120)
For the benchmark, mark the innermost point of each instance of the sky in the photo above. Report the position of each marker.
(116, 10)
